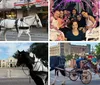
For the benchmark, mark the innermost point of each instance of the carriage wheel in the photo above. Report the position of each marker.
(86, 77)
(73, 75)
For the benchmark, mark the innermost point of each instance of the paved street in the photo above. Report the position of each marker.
(15, 76)
(13, 73)
(37, 34)
(95, 80)
(16, 81)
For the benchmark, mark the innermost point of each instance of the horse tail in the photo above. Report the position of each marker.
(0, 27)
(16, 25)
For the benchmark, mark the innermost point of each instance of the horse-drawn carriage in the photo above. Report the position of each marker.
(20, 25)
(94, 34)
(57, 63)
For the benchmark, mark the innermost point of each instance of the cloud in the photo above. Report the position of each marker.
(10, 48)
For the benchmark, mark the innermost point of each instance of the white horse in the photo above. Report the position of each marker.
(20, 25)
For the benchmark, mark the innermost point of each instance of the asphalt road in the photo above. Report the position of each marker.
(16, 81)
(37, 34)
(95, 80)
(15, 76)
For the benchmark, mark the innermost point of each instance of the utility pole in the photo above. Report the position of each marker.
(28, 7)
(4, 7)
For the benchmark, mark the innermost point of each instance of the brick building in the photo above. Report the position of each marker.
(67, 49)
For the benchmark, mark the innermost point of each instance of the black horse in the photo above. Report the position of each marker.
(57, 63)
(40, 77)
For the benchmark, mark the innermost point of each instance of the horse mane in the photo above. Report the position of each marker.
(30, 16)
(27, 17)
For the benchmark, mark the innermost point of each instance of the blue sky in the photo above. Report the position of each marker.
(8, 49)
(93, 44)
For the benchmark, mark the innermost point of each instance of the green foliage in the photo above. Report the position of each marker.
(98, 51)
(69, 57)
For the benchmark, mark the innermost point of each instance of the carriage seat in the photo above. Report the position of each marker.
(95, 34)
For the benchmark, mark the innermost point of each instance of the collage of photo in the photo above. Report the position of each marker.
(49, 42)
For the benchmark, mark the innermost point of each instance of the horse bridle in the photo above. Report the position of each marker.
(33, 68)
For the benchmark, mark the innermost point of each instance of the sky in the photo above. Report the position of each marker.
(93, 44)
(8, 49)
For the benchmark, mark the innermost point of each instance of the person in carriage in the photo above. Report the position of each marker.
(87, 62)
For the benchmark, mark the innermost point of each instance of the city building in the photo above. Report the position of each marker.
(67, 49)
(19, 8)
(10, 62)
(3, 63)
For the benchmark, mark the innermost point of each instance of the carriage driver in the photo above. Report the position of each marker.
(79, 62)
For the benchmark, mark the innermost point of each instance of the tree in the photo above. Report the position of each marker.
(69, 57)
(98, 51)
(40, 49)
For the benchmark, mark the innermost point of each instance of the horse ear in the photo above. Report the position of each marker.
(23, 51)
(18, 51)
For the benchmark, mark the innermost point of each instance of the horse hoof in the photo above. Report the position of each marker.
(53, 84)
(63, 84)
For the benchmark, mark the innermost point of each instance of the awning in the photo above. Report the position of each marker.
(35, 2)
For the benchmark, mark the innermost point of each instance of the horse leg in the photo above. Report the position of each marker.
(46, 79)
(4, 33)
(1, 32)
(63, 82)
(63, 73)
(19, 34)
(36, 78)
(28, 33)
(56, 75)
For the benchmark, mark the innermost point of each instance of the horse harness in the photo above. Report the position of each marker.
(22, 21)
(35, 66)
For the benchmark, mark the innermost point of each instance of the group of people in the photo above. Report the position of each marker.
(72, 24)
(92, 62)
